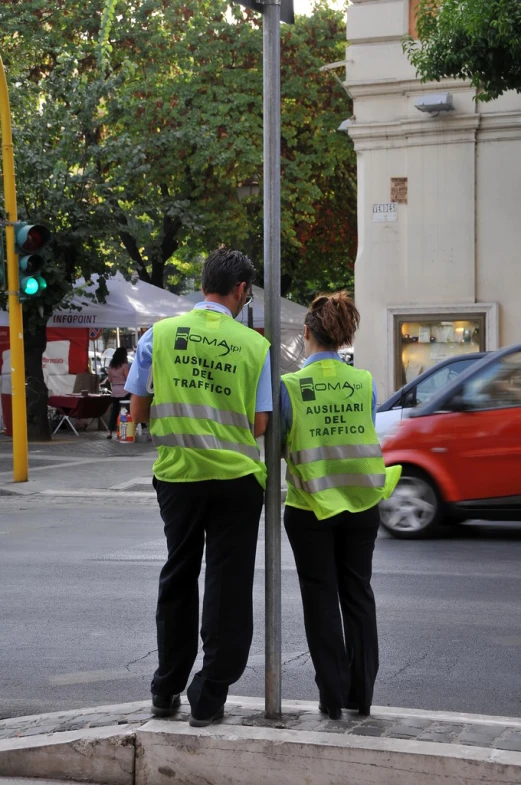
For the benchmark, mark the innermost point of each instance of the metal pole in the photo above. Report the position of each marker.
(16, 329)
(271, 69)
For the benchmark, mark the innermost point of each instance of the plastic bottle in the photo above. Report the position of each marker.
(126, 427)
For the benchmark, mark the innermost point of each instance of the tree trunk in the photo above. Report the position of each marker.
(38, 428)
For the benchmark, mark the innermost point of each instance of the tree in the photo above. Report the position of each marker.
(135, 123)
(477, 40)
(55, 185)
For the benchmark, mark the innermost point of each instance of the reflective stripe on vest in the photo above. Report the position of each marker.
(336, 453)
(200, 412)
(198, 442)
(336, 481)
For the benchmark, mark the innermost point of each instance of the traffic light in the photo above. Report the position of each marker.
(286, 9)
(29, 241)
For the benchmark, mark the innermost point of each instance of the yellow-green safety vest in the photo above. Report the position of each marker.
(334, 460)
(206, 369)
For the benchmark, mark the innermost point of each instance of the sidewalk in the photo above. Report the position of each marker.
(85, 465)
(81, 465)
(123, 745)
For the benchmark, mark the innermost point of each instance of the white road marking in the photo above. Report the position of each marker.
(135, 481)
(84, 462)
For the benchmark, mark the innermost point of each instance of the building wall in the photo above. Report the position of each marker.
(456, 243)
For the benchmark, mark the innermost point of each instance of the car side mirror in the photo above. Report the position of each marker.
(458, 403)
(409, 399)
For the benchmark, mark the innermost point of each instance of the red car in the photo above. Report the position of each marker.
(460, 452)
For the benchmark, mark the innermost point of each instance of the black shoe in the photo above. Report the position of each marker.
(333, 713)
(364, 710)
(196, 723)
(165, 706)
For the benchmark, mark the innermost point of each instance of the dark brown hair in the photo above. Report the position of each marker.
(224, 269)
(333, 319)
(119, 358)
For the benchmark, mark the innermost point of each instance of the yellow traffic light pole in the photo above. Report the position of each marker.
(16, 329)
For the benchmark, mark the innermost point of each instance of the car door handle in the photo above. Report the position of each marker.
(438, 449)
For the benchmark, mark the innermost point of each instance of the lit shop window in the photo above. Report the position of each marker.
(424, 342)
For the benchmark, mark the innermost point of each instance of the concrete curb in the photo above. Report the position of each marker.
(166, 755)
(101, 755)
(101, 493)
(170, 752)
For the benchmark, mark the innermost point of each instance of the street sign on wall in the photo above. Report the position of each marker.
(382, 213)
(286, 9)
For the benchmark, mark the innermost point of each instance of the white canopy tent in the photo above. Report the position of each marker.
(131, 305)
(137, 305)
(127, 304)
(291, 326)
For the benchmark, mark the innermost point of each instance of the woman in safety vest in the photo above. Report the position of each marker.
(336, 477)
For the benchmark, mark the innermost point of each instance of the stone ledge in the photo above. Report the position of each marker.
(173, 754)
(97, 755)
(392, 747)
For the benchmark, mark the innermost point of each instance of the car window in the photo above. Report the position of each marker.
(430, 386)
(498, 386)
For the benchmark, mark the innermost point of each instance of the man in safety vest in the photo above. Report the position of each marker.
(203, 382)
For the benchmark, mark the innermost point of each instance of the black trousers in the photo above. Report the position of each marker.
(226, 513)
(334, 564)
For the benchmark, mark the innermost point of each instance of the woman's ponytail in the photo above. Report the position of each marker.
(333, 319)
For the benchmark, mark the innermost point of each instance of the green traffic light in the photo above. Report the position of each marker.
(29, 240)
(29, 286)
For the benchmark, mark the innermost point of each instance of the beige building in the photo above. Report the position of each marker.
(438, 270)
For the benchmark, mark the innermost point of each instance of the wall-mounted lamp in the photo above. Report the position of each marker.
(433, 103)
(344, 125)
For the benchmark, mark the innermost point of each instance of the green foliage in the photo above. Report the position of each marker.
(104, 47)
(134, 123)
(477, 40)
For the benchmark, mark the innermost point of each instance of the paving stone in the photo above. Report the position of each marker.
(310, 724)
(140, 715)
(36, 731)
(368, 730)
(70, 726)
(481, 735)
(335, 727)
(349, 725)
(448, 727)
(512, 741)
(82, 721)
(403, 732)
(374, 722)
(415, 722)
(90, 718)
(441, 738)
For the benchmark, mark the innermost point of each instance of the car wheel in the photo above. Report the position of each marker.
(415, 509)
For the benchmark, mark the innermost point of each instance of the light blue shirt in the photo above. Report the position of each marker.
(139, 380)
(285, 402)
